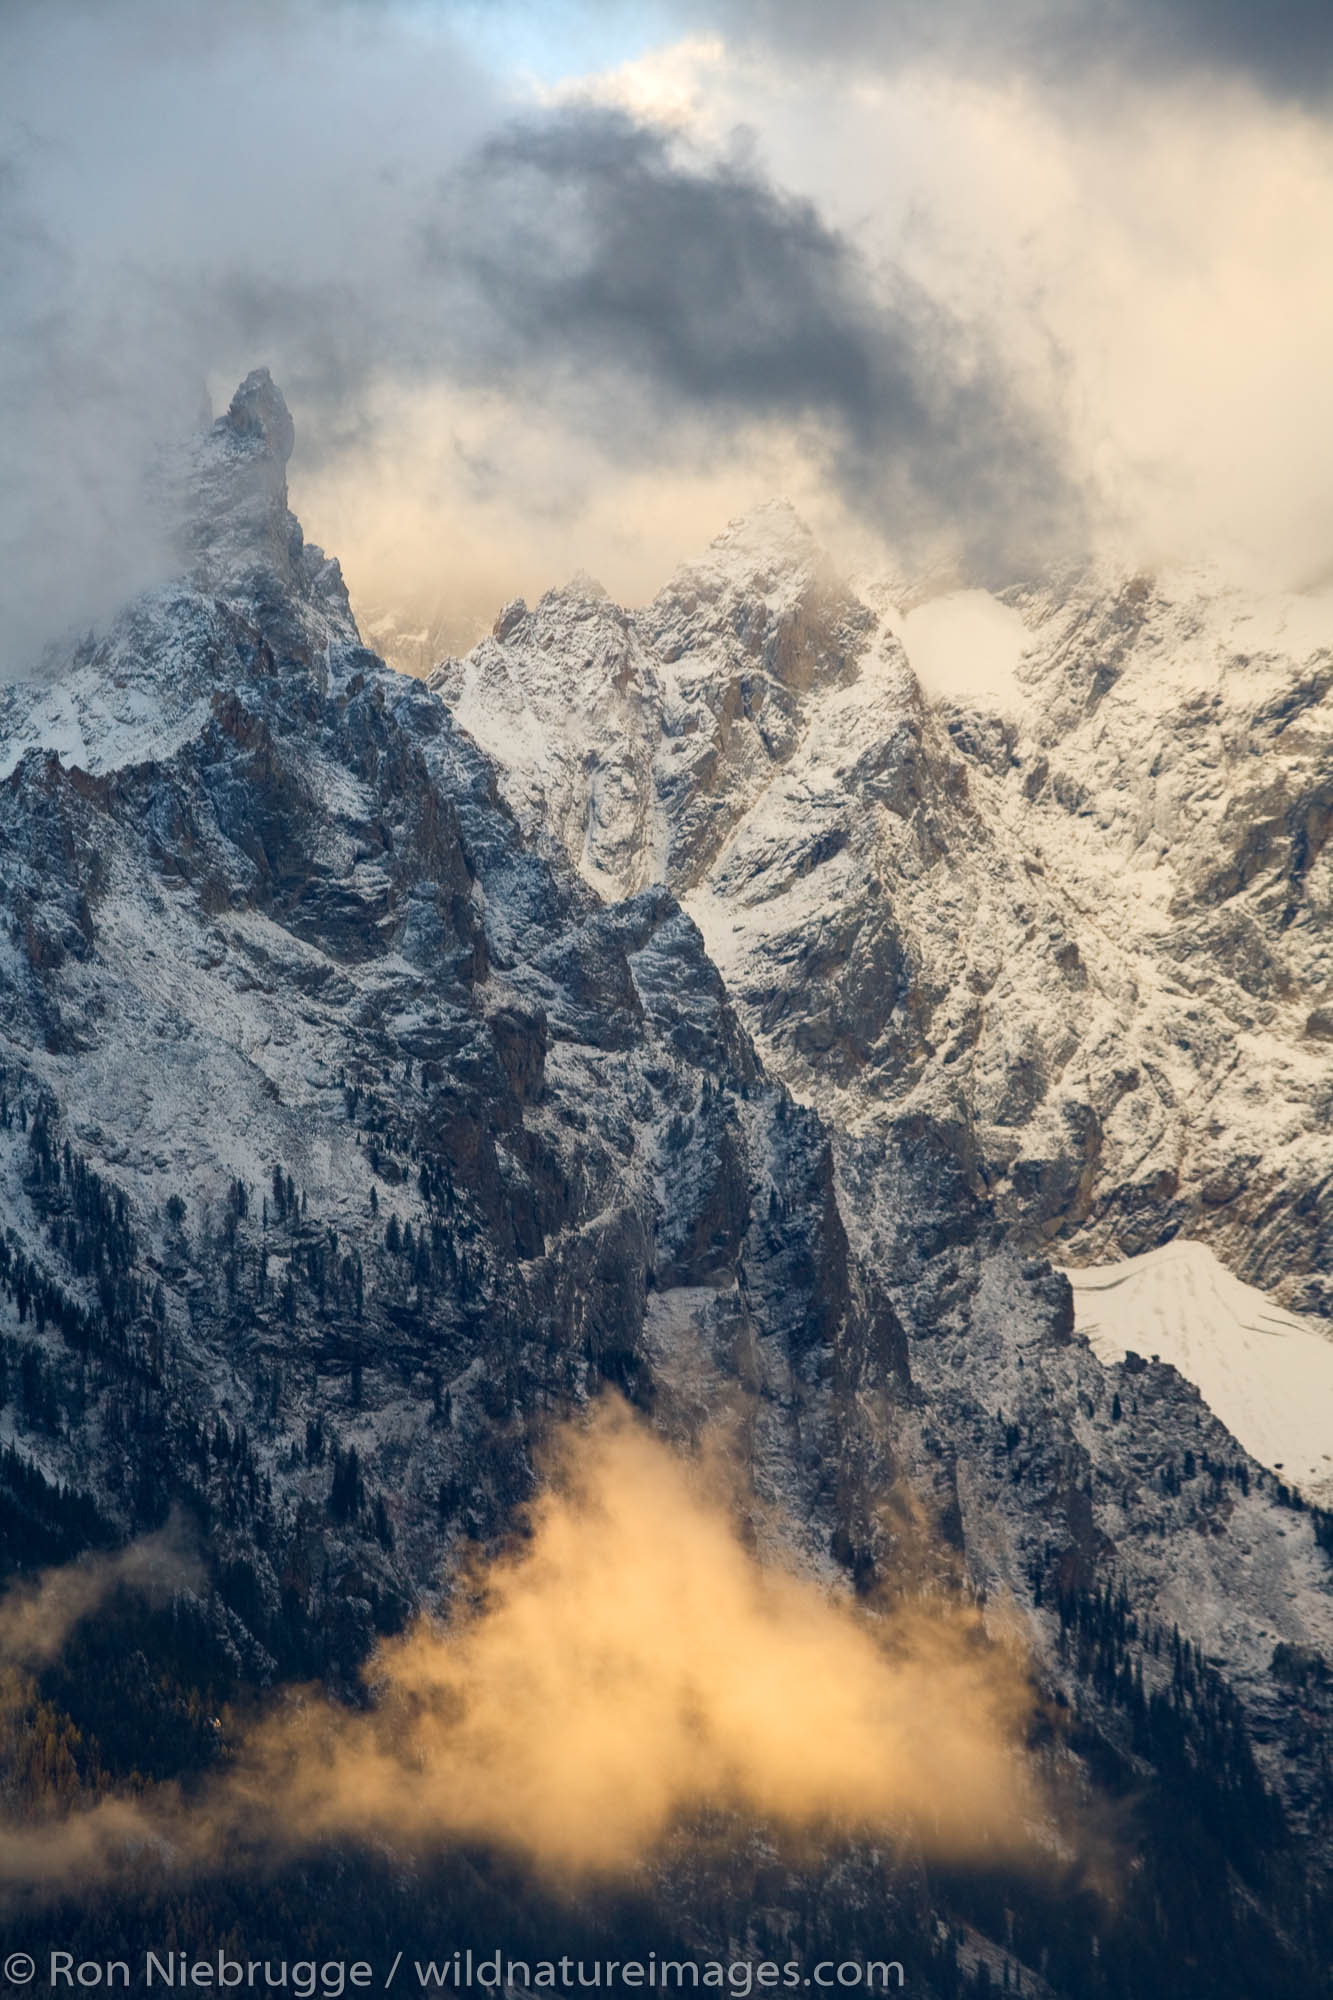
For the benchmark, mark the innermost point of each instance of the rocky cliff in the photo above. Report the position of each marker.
(1076, 918)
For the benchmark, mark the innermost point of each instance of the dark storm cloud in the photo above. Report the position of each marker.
(1285, 45)
(654, 287)
(662, 302)
(1282, 46)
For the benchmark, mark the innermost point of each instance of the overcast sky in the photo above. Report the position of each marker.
(551, 286)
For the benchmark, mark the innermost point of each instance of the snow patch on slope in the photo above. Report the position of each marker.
(92, 725)
(1267, 1374)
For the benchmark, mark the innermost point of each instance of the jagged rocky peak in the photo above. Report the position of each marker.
(258, 411)
(636, 737)
(578, 615)
(768, 592)
(237, 525)
(770, 537)
(1051, 878)
(238, 538)
(245, 595)
(584, 588)
(509, 618)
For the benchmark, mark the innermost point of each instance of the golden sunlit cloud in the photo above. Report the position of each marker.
(630, 1664)
(459, 502)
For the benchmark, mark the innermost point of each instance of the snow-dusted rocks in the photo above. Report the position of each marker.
(251, 596)
(638, 739)
(1066, 898)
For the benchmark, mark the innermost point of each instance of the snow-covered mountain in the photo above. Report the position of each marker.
(278, 968)
(1047, 873)
(690, 1002)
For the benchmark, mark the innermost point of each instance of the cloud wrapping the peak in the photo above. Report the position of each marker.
(345, 195)
(969, 282)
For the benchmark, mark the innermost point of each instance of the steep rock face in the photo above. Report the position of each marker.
(1065, 1478)
(1178, 786)
(1078, 922)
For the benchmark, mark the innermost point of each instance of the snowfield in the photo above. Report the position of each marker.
(1267, 1374)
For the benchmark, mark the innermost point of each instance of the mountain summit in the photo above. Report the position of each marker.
(236, 487)
(248, 596)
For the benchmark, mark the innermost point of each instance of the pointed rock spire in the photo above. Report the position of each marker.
(258, 411)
